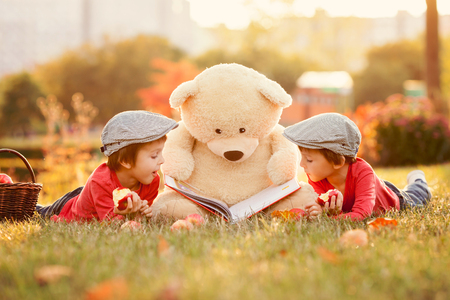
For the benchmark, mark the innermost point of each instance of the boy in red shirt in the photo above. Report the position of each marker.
(133, 142)
(329, 143)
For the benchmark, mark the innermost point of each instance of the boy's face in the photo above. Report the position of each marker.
(148, 161)
(316, 165)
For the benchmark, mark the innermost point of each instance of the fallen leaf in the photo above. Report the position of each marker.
(355, 237)
(170, 292)
(283, 252)
(51, 274)
(328, 255)
(379, 223)
(115, 288)
(163, 246)
(288, 215)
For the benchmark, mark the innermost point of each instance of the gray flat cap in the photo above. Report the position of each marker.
(134, 127)
(331, 131)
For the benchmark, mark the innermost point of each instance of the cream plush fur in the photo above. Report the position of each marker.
(229, 143)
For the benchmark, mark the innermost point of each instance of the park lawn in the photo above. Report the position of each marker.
(261, 258)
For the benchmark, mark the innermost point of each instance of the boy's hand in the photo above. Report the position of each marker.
(334, 206)
(313, 210)
(133, 206)
(146, 210)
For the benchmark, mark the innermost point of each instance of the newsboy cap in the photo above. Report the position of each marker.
(330, 131)
(134, 127)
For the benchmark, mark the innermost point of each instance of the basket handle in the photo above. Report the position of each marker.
(23, 159)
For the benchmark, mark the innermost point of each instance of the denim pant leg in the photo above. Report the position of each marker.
(57, 206)
(416, 194)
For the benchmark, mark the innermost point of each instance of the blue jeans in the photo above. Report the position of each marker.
(416, 194)
(57, 206)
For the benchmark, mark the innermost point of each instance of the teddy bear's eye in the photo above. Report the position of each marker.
(241, 130)
(218, 131)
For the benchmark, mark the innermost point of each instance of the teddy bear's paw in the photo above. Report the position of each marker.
(299, 199)
(280, 169)
(179, 166)
(172, 205)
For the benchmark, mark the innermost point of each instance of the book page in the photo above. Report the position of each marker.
(263, 199)
(195, 195)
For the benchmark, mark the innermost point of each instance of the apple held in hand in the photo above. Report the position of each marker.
(120, 198)
(326, 197)
(4, 178)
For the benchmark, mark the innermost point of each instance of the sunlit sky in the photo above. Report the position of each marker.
(235, 15)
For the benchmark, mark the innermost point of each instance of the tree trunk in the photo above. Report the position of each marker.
(432, 58)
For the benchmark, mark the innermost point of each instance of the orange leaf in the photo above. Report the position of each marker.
(51, 274)
(355, 237)
(116, 288)
(328, 255)
(378, 223)
(163, 246)
(288, 215)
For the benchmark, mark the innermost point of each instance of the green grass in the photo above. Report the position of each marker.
(256, 259)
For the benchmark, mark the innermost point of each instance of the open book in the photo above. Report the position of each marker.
(241, 210)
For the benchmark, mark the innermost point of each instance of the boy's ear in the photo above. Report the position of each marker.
(341, 164)
(125, 165)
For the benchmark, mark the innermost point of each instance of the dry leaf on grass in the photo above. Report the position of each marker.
(163, 247)
(51, 274)
(379, 223)
(288, 215)
(328, 255)
(116, 288)
(170, 292)
(355, 237)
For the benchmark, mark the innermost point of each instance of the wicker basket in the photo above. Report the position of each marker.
(18, 200)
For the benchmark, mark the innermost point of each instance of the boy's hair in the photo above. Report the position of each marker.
(127, 154)
(332, 157)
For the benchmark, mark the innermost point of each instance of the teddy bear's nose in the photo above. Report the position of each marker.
(233, 155)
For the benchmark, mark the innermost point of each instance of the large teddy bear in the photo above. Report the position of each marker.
(229, 144)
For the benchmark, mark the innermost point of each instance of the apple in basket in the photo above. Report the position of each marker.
(120, 197)
(326, 197)
(4, 178)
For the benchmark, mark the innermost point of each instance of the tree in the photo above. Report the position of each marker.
(432, 57)
(387, 68)
(108, 76)
(19, 93)
(169, 75)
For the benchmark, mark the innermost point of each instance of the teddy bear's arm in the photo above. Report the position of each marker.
(177, 153)
(284, 162)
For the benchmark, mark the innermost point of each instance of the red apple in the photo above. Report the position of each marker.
(181, 224)
(120, 197)
(299, 213)
(132, 225)
(4, 178)
(195, 219)
(326, 197)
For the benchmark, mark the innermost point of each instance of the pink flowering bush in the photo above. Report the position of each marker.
(403, 131)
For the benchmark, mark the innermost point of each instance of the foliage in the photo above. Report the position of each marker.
(285, 69)
(168, 76)
(387, 68)
(107, 76)
(403, 131)
(19, 111)
(261, 258)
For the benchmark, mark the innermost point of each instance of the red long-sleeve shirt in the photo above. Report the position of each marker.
(365, 194)
(96, 201)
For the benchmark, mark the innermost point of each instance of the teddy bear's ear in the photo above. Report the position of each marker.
(274, 92)
(182, 92)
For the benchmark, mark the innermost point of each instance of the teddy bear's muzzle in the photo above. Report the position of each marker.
(234, 149)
